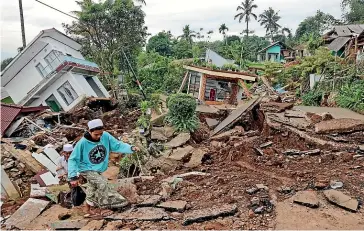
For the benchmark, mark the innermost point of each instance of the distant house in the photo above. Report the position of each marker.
(276, 52)
(301, 51)
(346, 40)
(51, 71)
(216, 59)
(216, 87)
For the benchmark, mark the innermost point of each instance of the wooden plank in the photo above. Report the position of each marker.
(8, 185)
(245, 88)
(41, 158)
(183, 82)
(201, 95)
(223, 74)
(52, 154)
(235, 115)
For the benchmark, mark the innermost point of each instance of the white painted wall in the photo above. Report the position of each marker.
(53, 90)
(86, 86)
(57, 45)
(27, 78)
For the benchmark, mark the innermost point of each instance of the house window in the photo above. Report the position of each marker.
(54, 59)
(67, 93)
(41, 70)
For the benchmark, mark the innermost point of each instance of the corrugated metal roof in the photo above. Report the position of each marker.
(348, 30)
(8, 114)
(338, 43)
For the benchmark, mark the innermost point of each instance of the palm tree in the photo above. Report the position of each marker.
(288, 31)
(188, 34)
(269, 19)
(246, 13)
(222, 30)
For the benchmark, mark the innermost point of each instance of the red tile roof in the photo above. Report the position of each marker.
(10, 112)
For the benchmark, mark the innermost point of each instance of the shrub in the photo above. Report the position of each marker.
(352, 96)
(312, 98)
(182, 112)
(134, 100)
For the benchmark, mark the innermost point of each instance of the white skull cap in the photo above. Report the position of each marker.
(68, 148)
(95, 123)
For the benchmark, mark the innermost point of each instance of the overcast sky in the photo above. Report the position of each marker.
(160, 15)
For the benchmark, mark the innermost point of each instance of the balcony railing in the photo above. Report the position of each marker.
(60, 63)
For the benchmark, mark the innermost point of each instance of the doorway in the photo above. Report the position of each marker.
(52, 102)
(94, 87)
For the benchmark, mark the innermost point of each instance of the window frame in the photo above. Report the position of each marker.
(67, 92)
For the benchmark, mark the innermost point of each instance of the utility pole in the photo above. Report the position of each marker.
(22, 23)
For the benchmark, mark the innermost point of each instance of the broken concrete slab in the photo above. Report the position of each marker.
(291, 152)
(168, 131)
(179, 140)
(141, 214)
(339, 126)
(267, 144)
(52, 154)
(236, 114)
(340, 199)
(261, 187)
(336, 112)
(295, 114)
(225, 135)
(276, 107)
(7, 186)
(93, 225)
(207, 109)
(307, 198)
(196, 158)
(26, 213)
(157, 135)
(181, 153)
(171, 179)
(158, 120)
(209, 213)
(212, 123)
(149, 200)
(173, 206)
(69, 224)
(111, 173)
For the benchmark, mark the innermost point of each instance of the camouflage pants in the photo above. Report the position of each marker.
(100, 193)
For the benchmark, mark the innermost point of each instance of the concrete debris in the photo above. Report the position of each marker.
(295, 114)
(294, 152)
(114, 225)
(93, 225)
(158, 120)
(255, 201)
(157, 135)
(27, 213)
(225, 135)
(196, 158)
(173, 206)
(69, 224)
(181, 153)
(209, 213)
(259, 210)
(149, 200)
(339, 126)
(267, 144)
(261, 187)
(340, 199)
(336, 184)
(179, 140)
(171, 179)
(207, 109)
(141, 214)
(276, 107)
(284, 189)
(307, 198)
(311, 152)
(259, 151)
(212, 123)
(252, 190)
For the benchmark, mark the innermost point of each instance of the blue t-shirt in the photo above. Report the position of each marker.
(94, 156)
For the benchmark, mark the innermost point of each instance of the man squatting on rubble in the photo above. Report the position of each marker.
(62, 165)
(90, 158)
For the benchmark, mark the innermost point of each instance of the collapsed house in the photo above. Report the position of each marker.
(346, 40)
(215, 86)
(51, 71)
(276, 52)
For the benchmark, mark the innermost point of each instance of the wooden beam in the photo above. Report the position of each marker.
(222, 74)
(183, 82)
(201, 95)
(245, 88)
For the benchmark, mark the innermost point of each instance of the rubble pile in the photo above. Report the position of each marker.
(234, 172)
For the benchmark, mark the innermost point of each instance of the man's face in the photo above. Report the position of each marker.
(67, 155)
(96, 135)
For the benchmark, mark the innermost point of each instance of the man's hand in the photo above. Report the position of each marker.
(74, 183)
(135, 149)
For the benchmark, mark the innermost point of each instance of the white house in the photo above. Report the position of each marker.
(51, 71)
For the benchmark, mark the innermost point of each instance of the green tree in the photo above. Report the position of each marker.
(5, 63)
(188, 34)
(246, 8)
(182, 49)
(222, 30)
(353, 11)
(108, 30)
(232, 38)
(161, 43)
(269, 19)
(316, 25)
